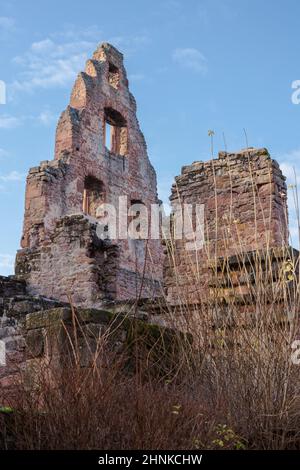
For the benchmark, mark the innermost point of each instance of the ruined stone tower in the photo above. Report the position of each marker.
(244, 196)
(61, 253)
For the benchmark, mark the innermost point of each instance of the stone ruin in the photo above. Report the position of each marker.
(101, 155)
(244, 196)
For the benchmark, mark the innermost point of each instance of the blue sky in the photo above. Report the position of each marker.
(193, 65)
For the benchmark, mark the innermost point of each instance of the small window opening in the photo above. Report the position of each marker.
(137, 214)
(108, 135)
(115, 132)
(93, 196)
(113, 76)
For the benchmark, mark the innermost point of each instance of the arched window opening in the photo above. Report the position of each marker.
(115, 132)
(93, 196)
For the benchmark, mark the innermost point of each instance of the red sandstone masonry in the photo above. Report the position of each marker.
(59, 253)
(245, 209)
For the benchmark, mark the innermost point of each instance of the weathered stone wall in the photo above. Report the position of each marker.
(55, 261)
(14, 305)
(245, 209)
(10, 287)
(40, 336)
(253, 278)
(51, 338)
(77, 265)
(33, 328)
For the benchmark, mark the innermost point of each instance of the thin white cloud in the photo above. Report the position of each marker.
(190, 58)
(47, 118)
(290, 165)
(289, 171)
(55, 68)
(172, 4)
(56, 60)
(39, 47)
(7, 24)
(129, 45)
(3, 153)
(6, 261)
(9, 122)
(164, 185)
(292, 155)
(71, 33)
(12, 176)
(136, 77)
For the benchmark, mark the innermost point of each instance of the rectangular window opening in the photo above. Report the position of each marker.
(108, 136)
(113, 76)
(115, 132)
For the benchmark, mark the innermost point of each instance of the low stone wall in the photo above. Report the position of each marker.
(52, 339)
(38, 332)
(15, 304)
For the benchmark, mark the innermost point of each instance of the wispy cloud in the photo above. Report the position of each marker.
(136, 77)
(6, 261)
(172, 4)
(71, 33)
(7, 24)
(12, 176)
(3, 153)
(190, 58)
(7, 180)
(44, 118)
(56, 60)
(49, 65)
(129, 45)
(47, 117)
(9, 122)
(290, 165)
(289, 171)
(164, 184)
